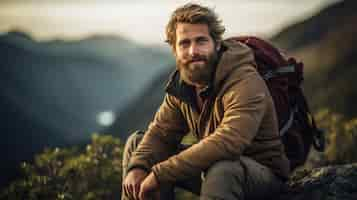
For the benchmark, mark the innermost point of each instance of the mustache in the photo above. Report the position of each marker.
(197, 58)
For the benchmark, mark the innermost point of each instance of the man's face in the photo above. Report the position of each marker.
(195, 53)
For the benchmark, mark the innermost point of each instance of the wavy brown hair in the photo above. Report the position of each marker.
(194, 14)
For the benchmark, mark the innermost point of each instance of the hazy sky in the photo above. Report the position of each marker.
(144, 21)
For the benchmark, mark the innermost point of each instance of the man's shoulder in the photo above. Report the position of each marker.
(244, 81)
(244, 73)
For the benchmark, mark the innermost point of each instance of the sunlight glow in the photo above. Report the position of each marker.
(106, 118)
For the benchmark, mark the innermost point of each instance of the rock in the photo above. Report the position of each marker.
(325, 183)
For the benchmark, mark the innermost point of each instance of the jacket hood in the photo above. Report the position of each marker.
(234, 54)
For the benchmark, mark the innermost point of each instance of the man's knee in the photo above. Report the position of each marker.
(133, 140)
(223, 180)
(135, 136)
(130, 146)
(224, 170)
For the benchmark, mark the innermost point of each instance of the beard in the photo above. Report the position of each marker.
(198, 74)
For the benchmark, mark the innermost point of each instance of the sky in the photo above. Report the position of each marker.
(144, 21)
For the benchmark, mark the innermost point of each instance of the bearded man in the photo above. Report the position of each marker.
(217, 95)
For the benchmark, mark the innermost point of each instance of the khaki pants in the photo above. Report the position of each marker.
(224, 180)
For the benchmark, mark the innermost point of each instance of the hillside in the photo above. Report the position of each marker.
(326, 43)
(52, 92)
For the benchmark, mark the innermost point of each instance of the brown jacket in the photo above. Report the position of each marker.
(237, 119)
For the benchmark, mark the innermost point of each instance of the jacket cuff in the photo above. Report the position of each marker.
(138, 166)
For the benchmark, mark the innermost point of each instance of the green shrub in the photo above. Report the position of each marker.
(341, 137)
(68, 173)
(93, 173)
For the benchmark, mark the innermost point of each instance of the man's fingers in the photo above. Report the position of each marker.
(136, 191)
(129, 190)
(141, 194)
(125, 189)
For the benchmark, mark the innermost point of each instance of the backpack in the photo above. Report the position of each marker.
(283, 76)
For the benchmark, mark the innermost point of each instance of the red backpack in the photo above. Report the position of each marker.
(283, 76)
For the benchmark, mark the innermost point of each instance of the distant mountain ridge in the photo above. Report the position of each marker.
(64, 72)
(312, 30)
(51, 93)
(326, 43)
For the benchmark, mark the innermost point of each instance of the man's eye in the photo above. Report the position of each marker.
(184, 44)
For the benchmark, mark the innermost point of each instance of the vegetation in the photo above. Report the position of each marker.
(95, 171)
(341, 137)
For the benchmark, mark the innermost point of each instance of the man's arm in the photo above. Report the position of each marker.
(244, 106)
(159, 142)
(163, 136)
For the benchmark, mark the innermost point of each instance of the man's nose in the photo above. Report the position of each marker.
(194, 50)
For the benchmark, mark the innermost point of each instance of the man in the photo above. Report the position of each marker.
(217, 95)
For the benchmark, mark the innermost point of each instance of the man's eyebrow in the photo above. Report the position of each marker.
(202, 38)
(183, 41)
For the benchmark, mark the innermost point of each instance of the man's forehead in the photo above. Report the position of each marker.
(185, 28)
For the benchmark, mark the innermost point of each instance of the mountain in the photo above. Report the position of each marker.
(52, 93)
(138, 114)
(325, 42)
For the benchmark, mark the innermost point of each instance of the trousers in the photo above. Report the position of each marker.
(240, 179)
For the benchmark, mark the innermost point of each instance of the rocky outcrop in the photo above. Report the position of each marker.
(337, 182)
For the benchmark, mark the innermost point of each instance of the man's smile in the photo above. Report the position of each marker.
(197, 62)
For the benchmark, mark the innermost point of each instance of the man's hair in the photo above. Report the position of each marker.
(194, 14)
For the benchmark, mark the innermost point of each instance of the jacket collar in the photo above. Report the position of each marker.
(179, 89)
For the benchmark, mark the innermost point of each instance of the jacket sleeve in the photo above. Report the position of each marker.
(244, 105)
(162, 137)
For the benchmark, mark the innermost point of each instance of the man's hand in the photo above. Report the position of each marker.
(133, 181)
(149, 188)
